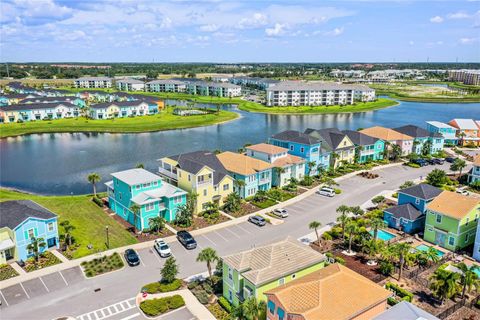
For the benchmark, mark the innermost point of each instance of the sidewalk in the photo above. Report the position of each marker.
(193, 305)
(148, 244)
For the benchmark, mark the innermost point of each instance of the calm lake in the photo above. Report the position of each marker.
(59, 163)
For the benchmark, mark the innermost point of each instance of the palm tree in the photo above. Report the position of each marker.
(209, 256)
(396, 151)
(371, 248)
(310, 166)
(402, 249)
(386, 149)
(239, 184)
(343, 218)
(444, 284)
(67, 228)
(351, 228)
(139, 166)
(333, 160)
(93, 178)
(426, 148)
(36, 246)
(253, 309)
(315, 225)
(157, 223)
(458, 165)
(432, 255)
(135, 208)
(469, 279)
(375, 224)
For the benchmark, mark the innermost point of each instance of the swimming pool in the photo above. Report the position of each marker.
(476, 270)
(424, 247)
(383, 235)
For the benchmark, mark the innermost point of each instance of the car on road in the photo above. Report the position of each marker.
(438, 160)
(186, 239)
(280, 212)
(162, 248)
(326, 191)
(132, 258)
(258, 220)
(430, 161)
(463, 192)
(420, 162)
(450, 159)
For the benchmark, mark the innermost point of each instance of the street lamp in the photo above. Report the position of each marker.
(108, 240)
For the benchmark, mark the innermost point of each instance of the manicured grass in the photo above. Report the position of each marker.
(88, 219)
(264, 204)
(165, 120)
(155, 307)
(416, 92)
(46, 259)
(102, 265)
(7, 272)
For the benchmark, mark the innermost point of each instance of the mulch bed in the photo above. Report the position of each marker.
(359, 264)
(142, 237)
(200, 222)
(464, 313)
(246, 208)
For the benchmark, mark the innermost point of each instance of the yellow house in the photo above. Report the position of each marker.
(336, 142)
(200, 172)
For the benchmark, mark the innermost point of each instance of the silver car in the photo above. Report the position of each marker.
(280, 212)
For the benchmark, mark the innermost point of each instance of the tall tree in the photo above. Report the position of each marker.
(184, 216)
(426, 148)
(67, 229)
(469, 279)
(315, 225)
(375, 224)
(437, 178)
(232, 202)
(36, 246)
(343, 218)
(310, 166)
(157, 223)
(458, 165)
(396, 151)
(253, 309)
(352, 229)
(135, 208)
(209, 256)
(170, 270)
(402, 249)
(444, 284)
(93, 178)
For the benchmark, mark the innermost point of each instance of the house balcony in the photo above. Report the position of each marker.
(168, 173)
(204, 183)
(264, 181)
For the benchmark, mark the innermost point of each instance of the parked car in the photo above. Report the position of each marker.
(326, 191)
(279, 212)
(463, 192)
(186, 239)
(450, 159)
(420, 162)
(162, 248)
(439, 160)
(430, 161)
(132, 257)
(258, 220)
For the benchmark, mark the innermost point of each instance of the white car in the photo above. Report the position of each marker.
(162, 248)
(326, 191)
(282, 213)
(463, 192)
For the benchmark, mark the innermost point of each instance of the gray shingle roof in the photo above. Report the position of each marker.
(296, 136)
(360, 139)
(13, 213)
(406, 211)
(132, 103)
(35, 106)
(405, 311)
(193, 162)
(423, 191)
(416, 132)
(332, 136)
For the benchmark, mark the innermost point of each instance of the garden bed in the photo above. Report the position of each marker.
(359, 264)
(245, 208)
(200, 222)
(155, 307)
(7, 272)
(264, 204)
(218, 311)
(46, 259)
(102, 265)
(144, 236)
(159, 287)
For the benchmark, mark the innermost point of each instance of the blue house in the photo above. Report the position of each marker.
(20, 221)
(421, 136)
(368, 148)
(448, 132)
(155, 197)
(304, 146)
(409, 214)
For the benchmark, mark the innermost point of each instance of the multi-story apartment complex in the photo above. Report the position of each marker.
(470, 77)
(199, 172)
(218, 89)
(93, 82)
(260, 83)
(166, 85)
(130, 85)
(300, 93)
(390, 136)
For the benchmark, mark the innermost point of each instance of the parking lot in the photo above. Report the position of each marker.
(40, 286)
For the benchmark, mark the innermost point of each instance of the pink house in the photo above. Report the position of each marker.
(393, 137)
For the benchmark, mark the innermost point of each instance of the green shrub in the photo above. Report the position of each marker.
(340, 260)
(225, 304)
(157, 287)
(327, 236)
(413, 165)
(202, 296)
(395, 195)
(386, 268)
(175, 302)
(400, 292)
(337, 191)
(98, 201)
(192, 285)
(154, 307)
(391, 301)
(208, 288)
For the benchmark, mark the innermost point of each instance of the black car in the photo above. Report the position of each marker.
(438, 160)
(258, 220)
(132, 257)
(420, 162)
(186, 239)
(450, 159)
(431, 161)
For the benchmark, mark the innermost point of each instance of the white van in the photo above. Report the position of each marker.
(326, 191)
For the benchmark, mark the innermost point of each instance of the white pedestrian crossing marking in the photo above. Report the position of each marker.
(108, 311)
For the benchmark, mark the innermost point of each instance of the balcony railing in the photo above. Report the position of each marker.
(167, 173)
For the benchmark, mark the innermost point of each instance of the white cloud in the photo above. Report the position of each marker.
(277, 30)
(468, 40)
(209, 28)
(71, 36)
(436, 19)
(411, 43)
(458, 15)
(335, 32)
(255, 21)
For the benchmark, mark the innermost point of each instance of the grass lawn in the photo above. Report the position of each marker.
(264, 204)
(165, 120)
(89, 220)
(416, 92)
(102, 265)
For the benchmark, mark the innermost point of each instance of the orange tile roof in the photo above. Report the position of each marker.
(453, 204)
(476, 160)
(241, 164)
(267, 148)
(288, 160)
(334, 292)
(385, 134)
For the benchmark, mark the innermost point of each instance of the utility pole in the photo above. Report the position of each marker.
(108, 239)
(8, 72)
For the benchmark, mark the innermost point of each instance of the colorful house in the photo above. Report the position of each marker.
(474, 174)
(409, 214)
(467, 131)
(451, 220)
(421, 137)
(334, 292)
(122, 109)
(54, 99)
(305, 146)
(253, 272)
(155, 197)
(476, 246)
(448, 132)
(335, 141)
(367, 148)
(405, 142)
(20, 221)
(285, 166)
(200, 172)
(38, 111)
(255, 174)
(15, 98)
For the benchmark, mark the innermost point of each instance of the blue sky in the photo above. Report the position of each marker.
(239, 31)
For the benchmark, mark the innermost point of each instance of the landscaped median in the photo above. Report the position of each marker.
(102, 265)
(155, 307)
(7, 272)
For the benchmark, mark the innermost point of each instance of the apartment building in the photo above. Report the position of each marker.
(93, 82)
(166, 85)
(218, 89)
(130, 85)
(38, 111)
(260, 83)
(470, 77)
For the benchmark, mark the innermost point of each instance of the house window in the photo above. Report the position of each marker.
(226, 187)
(281, 313)
(230, 296)
(417, 201)
(205, 192)
(439, 218)
(177, 199)
(189, 177)
(155, 183)
(149, 207)
(230, 274)
(137, 187)
(302, 150)
(294, 276)
(50, 227)
(271, 306)
(120, 195)
(466, 237)
(144, 185)
(31, 233)
(468, 220)
(451, 240)
(281, 281)
(291, 148)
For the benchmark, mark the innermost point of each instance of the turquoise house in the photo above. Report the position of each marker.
(20, 221)
(448, 132)
(421, 136)
(409, 214)
(155, 197)
(304, 146)
(369, 148)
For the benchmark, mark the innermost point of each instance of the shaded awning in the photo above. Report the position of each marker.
(6, 244)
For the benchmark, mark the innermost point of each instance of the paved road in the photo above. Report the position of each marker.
(110, 296)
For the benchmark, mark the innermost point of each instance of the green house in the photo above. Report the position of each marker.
(451, 220)
(252, 272)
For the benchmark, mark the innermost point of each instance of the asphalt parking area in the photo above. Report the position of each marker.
(14, 294)
(34, 287)
(180, 314)
(72, 275)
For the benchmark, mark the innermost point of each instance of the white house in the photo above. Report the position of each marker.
(93, 82)
(121, 109)
(130, 85)
(166, 85)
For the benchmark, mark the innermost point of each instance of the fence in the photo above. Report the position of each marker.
(462, 303)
